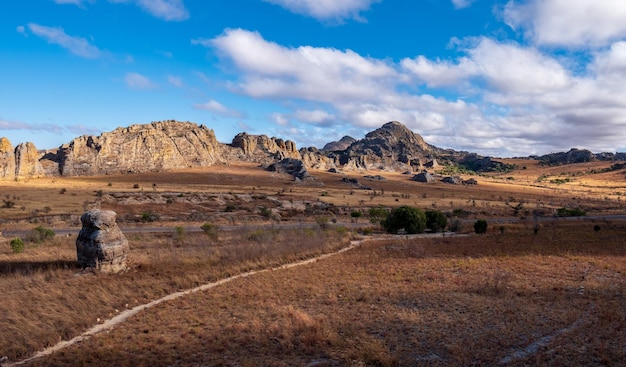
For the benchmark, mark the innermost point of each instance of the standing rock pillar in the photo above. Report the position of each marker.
(101, 244)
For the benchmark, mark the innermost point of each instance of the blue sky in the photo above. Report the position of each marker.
(502, 78)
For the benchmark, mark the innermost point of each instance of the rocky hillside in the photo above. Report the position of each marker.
(170, 145)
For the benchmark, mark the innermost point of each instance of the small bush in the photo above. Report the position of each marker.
(41, 234)
(210, 230)
(570, 212)
(323, 222)
(436, 220)
(480, 226)
(149, 216)
(8, 204)
(378, 214)
(356, 214)
(17, 245)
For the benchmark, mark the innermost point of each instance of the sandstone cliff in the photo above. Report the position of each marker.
(7, 160)
(27, 163)
(158, 146)
(260, 148)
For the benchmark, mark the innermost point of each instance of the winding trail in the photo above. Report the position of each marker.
(125, 315)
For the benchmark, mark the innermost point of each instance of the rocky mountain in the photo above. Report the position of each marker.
(578, 156)
(170, 145)
(341, 144)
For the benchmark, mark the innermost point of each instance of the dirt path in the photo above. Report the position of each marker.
(125, 315)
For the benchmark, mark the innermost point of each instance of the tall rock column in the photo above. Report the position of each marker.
(7, 160)
(101, 244)
(27, 163)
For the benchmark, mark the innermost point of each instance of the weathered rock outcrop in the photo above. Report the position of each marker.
(261, 148)
(424, 177)
(392, 147)
(341, 144)
(294, 167)
(27, 163)
(101, 244)
(158, 146)
(7, 160)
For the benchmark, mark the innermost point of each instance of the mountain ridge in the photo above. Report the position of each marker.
(170, 145)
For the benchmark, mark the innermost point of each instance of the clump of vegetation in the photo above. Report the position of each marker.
(436, 220)
(356, 214)
(210, 230)
(180, 233)
(411, 220)
(17, 245)
(265, 212)
(8, 204)
(149, 216)
(41, 234)
(570, 212)
(378, 214)
(480, 226)
(323, 222)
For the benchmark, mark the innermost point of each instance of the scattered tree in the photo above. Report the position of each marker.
(378, 214)
(356, 214)
(411, 219)
(480, 226)
(436, 220)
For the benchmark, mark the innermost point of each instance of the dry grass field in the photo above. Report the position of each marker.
(528, 292)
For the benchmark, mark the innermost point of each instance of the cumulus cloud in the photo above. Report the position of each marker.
(518, 99)
(321, 74)
(138, 81)
(568, 23)
(327, 10)
(218, 109)
(56, 35)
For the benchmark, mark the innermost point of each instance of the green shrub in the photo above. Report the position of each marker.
(570, 212)
(378, 214)
(411, 219)
(17, 245)
(41, 234)
(480, 226)
(436, 220)
(210, 230)
(456, 225)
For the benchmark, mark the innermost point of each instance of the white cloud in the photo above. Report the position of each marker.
(519, 99)
(76, 45)
(460, 4)
(138, 81)
(168, 10)
(175, 81)
(579, 23)
(326, 10)
(20, 125)
(218, 109)
(20, 29)
(321, 74)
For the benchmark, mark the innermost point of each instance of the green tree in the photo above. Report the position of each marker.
(436, 220)
(210, 230)
(378, 214)
(356, 214)
(480, 226)
(412, 220)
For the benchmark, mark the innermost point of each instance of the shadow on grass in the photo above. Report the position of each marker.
(31, 267)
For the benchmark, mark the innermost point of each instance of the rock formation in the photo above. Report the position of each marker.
(261, 148)
(101, 244)
(340, 145)
(393, 147)
(158, 146)
(294, 167)
(27, 163)
(424, 177)
(7, 160)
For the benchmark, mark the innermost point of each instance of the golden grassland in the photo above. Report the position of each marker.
(526, 293)
(509, 297)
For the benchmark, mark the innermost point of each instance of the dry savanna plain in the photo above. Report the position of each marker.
(537, 289)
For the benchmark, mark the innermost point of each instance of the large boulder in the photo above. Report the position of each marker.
(424, 177)
(7, 160)
(101, 244)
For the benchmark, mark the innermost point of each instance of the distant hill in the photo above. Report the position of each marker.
(170, 145)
